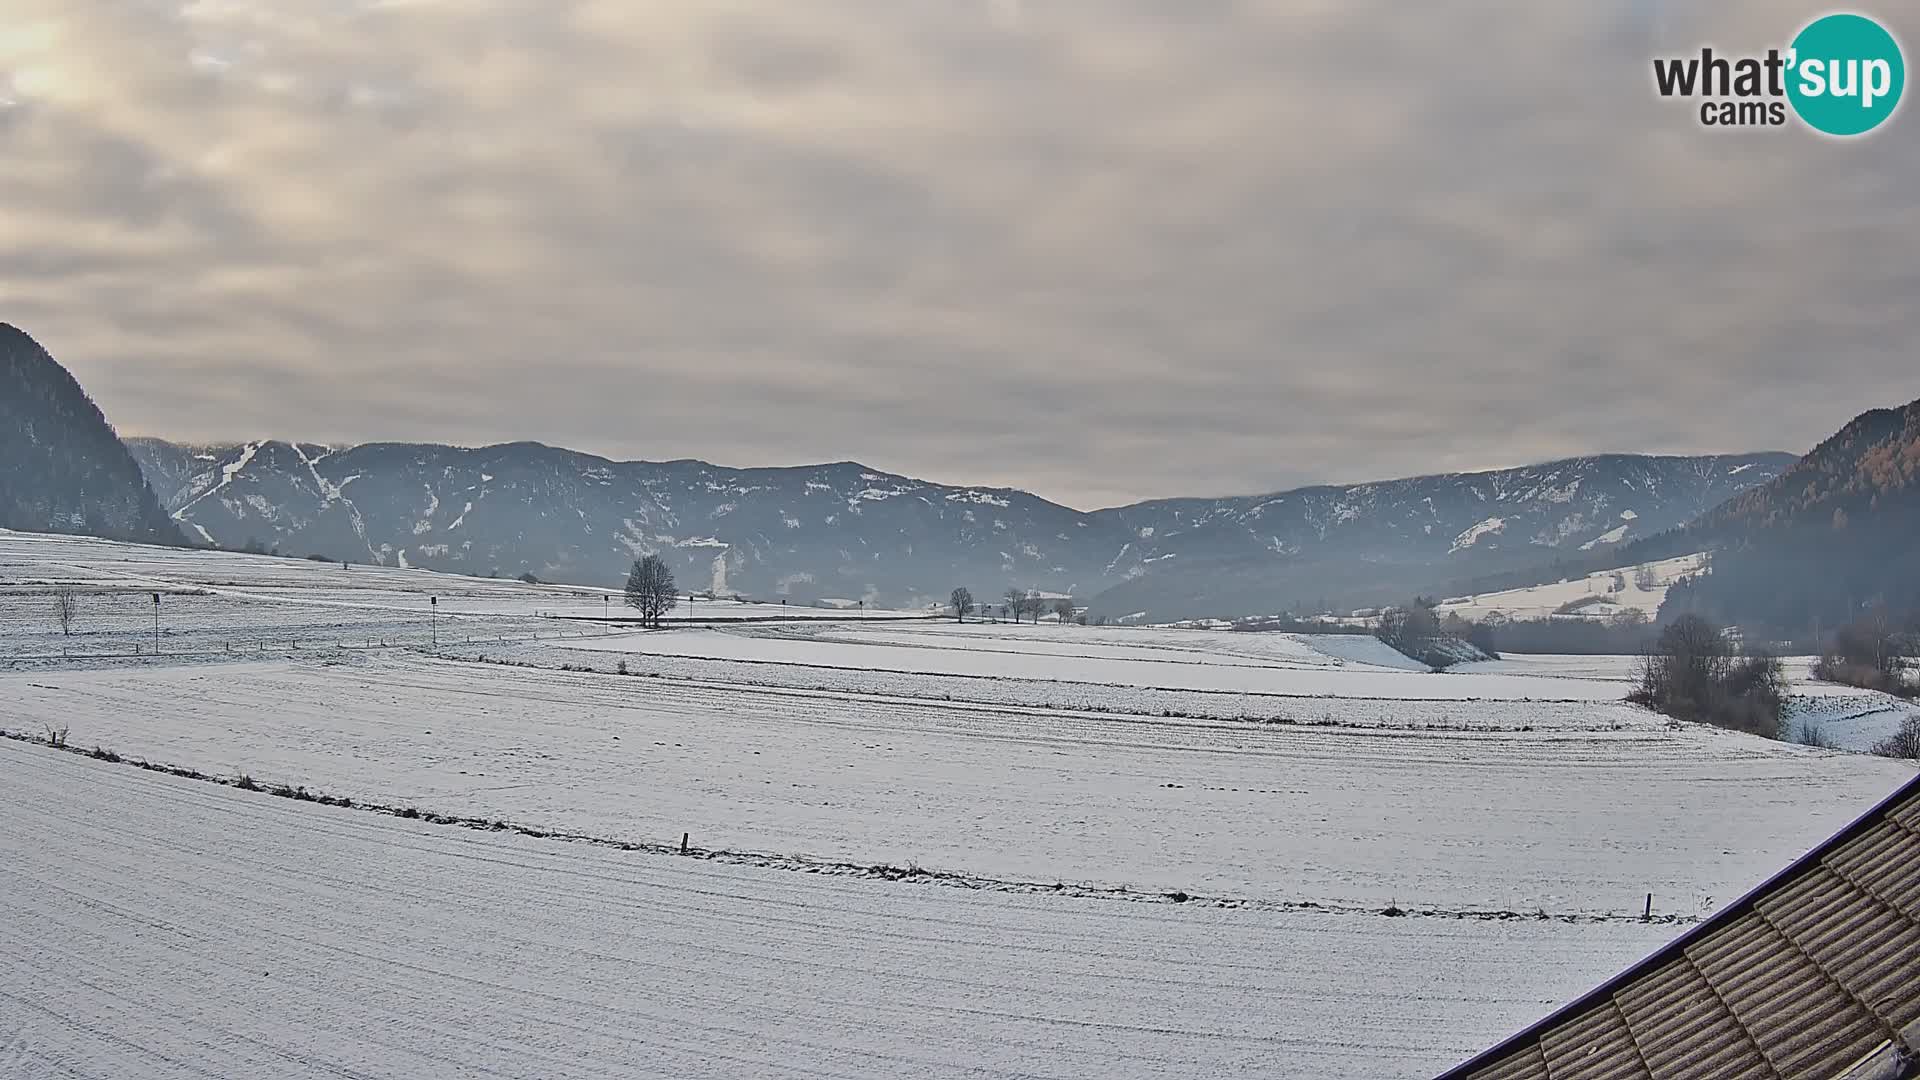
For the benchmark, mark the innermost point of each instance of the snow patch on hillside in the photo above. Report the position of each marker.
(1543, 601)
(981, 497)
(1472, 535)
(1611, 536)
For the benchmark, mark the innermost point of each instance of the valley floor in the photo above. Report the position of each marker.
(916, 849)
(170, 928)
(1570, 822)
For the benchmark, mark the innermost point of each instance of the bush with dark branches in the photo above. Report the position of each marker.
(1904, 743)
(1693, 673)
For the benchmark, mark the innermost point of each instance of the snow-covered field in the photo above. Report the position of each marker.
(1447, 706)
(1061, 784)
(1595, 592)
(215, 602)
(164, 928)
(1294, 665)
(1569, 822)
(37, 561)
(1846, 717)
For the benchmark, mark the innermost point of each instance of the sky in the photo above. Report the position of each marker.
(1102, 250)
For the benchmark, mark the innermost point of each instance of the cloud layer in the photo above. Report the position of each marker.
(1101, 249)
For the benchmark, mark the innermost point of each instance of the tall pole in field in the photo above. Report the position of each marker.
(156, 624)
(606, 612)
(433, 620)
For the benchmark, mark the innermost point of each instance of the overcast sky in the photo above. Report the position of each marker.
(1099, 249)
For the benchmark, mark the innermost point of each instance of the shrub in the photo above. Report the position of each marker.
(1692, 673)
(1872, 653)
(1904, 743)
(1812, 735)
(1834, 667)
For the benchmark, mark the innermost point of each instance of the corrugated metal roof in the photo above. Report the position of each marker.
(1812, 975)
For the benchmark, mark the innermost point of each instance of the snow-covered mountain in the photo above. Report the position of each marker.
(848, 531)
(812, 532)
(1320, 547)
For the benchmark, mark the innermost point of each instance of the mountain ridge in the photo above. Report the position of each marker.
(844, 529)
(1571, 459)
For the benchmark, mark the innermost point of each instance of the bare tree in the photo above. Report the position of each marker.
(1869, 652)
(1063, 610)
(1693, 673)
(1904, 743)
(1411, 629)
(962, 601)
(1678, 675)
(66, 605)
(650, 589)
(1016, 603)
(1644, 579)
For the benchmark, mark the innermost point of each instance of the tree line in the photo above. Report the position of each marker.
(1018, 603)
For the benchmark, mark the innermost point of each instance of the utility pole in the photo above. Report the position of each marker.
(156, 624)
(606, 612)
(433, 620)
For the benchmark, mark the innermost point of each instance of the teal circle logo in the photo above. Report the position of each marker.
(1845, 74)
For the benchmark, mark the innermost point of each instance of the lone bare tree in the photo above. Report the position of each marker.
(962, 600)
(1016, 603)
(1063, 609)
(66, 605)
(650, 589)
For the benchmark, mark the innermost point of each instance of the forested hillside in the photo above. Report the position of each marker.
(1836, 535)
(62, 469)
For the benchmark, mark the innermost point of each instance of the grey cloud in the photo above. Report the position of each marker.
(1102, 250)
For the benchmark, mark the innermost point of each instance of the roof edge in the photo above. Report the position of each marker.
(1530, 1035)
